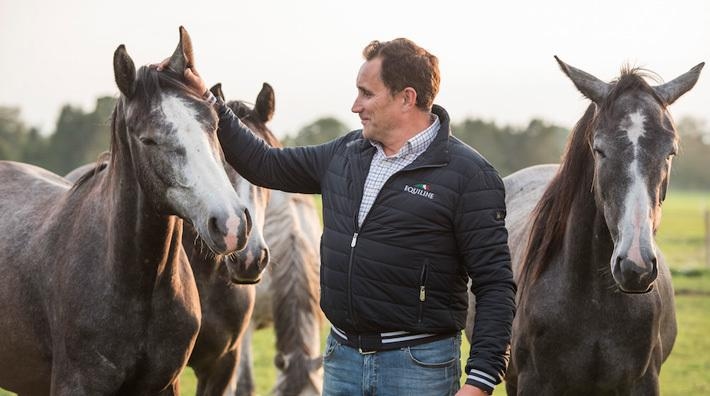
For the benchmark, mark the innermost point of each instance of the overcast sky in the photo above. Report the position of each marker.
(496, 57)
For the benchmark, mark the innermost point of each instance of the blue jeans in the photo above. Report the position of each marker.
(428, 369)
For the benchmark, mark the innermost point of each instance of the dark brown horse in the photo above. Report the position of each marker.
(96, 294)
(595, 302)
(227, 296)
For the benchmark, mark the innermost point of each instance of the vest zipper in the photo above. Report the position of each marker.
(422, 292)
(353, 243)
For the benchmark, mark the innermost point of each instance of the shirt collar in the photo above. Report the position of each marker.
(417, 144)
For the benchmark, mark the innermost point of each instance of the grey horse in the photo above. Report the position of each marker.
(596, 310)
(289, 298)
(96, 294)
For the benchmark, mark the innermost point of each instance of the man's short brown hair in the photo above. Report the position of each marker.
(405, 64)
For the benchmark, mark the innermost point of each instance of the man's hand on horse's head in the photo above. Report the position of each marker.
(192, 78)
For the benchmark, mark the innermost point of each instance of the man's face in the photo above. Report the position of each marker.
(378, 109)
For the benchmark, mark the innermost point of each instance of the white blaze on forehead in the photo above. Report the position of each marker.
(202, 173)
(201, 164)
(635, 226)
(634, 128)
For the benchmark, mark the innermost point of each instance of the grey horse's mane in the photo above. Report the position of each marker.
(100, 164)
(292, 243)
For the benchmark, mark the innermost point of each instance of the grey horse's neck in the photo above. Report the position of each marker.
(146, 242)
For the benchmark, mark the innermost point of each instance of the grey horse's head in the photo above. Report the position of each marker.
(632, 142)
(170, 137)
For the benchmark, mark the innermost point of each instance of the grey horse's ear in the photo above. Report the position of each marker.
(675, 88)
(183, 57)
(124, 71)
(591, 87)
(265, 103)
(217, 91)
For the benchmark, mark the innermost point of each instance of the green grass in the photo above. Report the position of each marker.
(682, 230)
(687, 371)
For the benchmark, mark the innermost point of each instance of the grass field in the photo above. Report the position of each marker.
(682, 229)
(687, 371)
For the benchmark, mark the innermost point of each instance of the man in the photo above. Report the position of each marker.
(410, 213)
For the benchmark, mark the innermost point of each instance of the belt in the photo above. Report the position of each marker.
(374, 342)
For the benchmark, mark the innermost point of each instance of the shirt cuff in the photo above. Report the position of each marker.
(479, 379)
(209, 97)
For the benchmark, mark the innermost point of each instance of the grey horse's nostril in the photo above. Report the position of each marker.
(654, 268)
(263, 259)
(247, 216)
(214, 227)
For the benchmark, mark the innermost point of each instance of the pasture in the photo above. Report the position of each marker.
(685, 373)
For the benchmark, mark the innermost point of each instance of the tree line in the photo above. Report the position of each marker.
(511, 148)
(80, 137)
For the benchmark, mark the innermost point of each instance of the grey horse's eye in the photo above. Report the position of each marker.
(147, 141)
(599, 152)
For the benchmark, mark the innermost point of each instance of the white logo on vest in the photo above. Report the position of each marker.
(420, 189)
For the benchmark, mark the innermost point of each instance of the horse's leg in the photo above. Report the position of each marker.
(531, 384)
(511, 378)
(75, 378)
(38, 391)
(201, 385)
(510, 389)
(219, 378)
(172, 390)
(245, 377)
(526, 385)
(648, 384)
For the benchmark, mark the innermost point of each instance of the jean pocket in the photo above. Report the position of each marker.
(330, 345)
(436, 354)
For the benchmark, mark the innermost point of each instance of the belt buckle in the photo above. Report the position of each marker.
(365, 352)
(359, 347)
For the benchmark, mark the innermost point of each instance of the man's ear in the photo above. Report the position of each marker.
(409, 96)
